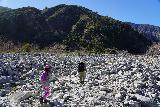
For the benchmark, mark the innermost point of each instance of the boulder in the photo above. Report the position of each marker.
(134, 104)
(106, 89)
(2, 93)
(18, 96)
(118, 97)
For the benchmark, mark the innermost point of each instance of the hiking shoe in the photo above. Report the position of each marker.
(41, 100)
(82, 82)
(45, 101)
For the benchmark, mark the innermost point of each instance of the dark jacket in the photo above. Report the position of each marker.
(81, 67)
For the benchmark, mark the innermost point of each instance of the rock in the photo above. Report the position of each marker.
(134, 104)
(134, 71)
(4, 102)
(90, 99)
(101, 98)
(138, 84)
(66, 73)
(19, 96)
(7, 86)
(74, 72)
(142, 98)
(56, 88)
(119, 97)
(67, 98)
(2, 93)
(97, 103)
(107, 90)
(3, 79)
(54, 103)
(134, 80)
(120, 72)
(96, 83)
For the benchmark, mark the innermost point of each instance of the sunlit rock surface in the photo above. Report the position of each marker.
(111, 80)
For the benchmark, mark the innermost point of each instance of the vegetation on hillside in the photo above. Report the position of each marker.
(75, 27)
(3, 9)
(151, 32)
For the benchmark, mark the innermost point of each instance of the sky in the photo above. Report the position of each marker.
(136, 11)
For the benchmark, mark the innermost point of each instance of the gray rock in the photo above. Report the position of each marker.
(3, 79)
(2, 93)
(134, 104)
(107, 90)
(96, 83)
(119, 97)
(102, 98)
(129, 75)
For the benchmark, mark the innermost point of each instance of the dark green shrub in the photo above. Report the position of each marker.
(26, 47)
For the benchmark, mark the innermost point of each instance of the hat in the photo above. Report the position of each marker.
(47, 67)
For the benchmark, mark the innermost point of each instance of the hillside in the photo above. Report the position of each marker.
(3, 9)
(74, 26)
(150, 31)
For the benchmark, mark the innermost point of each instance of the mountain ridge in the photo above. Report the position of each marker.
(4, 9)
(74, 26)
(150, 31)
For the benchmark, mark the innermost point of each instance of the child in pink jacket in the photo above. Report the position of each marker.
(44, 78)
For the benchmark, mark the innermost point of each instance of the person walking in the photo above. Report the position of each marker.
(45, 85)
(81, 71)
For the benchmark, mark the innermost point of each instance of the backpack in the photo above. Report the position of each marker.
(81, 67)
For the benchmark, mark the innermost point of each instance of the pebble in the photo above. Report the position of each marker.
(110, 79)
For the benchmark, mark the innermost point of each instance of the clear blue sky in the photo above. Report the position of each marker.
(137, 11)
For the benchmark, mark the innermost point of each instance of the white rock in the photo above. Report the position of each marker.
(118, 96)
(19, 96)
(134, 104)
(142, 98)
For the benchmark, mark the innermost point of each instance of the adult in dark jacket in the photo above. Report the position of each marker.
(81, 71)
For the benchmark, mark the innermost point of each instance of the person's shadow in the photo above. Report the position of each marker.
(56, 103)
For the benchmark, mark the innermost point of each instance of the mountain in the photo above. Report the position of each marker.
(3, 9)
(150, 31)
(74, 26)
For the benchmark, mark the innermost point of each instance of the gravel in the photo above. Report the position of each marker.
(111, 80)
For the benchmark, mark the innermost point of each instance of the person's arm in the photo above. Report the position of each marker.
(85, 68)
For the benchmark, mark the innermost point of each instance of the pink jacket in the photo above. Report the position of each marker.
(44, 77)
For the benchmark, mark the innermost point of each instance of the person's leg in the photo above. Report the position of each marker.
(80, 76)
(46, 92)
(84, 75)
(41, 100)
